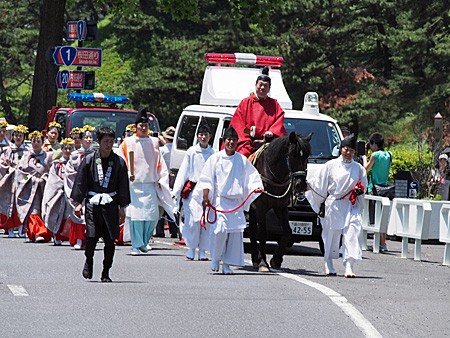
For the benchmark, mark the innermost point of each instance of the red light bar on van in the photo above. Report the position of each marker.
(245, 59)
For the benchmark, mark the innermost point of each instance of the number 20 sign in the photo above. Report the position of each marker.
(71, 56)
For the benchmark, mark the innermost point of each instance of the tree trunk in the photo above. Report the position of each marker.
(44, 92)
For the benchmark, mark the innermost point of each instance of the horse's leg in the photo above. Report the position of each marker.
(252, 227)
(262, 238)
(283, 217)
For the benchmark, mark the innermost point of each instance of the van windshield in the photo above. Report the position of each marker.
(325, 142)
(114, 119)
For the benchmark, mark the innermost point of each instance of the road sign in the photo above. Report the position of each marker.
(71, 56)
(76, 30)
(70, 79)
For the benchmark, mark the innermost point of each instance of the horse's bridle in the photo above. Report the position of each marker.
(290, 181)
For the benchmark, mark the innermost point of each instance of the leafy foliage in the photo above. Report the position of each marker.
(377, 65)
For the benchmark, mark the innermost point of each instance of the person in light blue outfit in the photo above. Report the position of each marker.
(149, 184)
(380, 163)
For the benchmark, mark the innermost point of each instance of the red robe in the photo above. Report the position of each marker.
(265, 115)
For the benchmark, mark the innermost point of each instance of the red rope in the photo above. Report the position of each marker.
(210, 206)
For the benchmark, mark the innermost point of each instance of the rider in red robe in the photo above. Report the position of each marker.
(258, 117)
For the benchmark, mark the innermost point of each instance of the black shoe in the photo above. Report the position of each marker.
(105, 277)
(159, 235)
(87, 270)
(174, 236)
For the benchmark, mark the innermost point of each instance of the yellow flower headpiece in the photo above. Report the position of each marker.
(54, 125)
(131, 128)
(35, 134)
(67, 142)
(3, 124)
(21, 129)
(76, 130)
(87, 127)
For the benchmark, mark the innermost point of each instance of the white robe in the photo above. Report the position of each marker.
(150, 187)
(230, 179)
(336, 179)
(190, 170)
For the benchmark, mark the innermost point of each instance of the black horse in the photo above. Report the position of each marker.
(282, 167)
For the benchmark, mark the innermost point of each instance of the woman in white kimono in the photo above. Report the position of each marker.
(55, 207)
(340, 186)
(194, 161)
(31, 176)
(8, 163)
(227, 179)
(77, 236)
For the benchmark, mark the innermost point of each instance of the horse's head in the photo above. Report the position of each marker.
(298, 153)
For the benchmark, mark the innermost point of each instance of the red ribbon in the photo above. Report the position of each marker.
(353, 194)
(205, 218)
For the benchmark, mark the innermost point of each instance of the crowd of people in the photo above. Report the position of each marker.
(68, 191)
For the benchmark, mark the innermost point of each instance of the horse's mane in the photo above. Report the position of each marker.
(280, 146)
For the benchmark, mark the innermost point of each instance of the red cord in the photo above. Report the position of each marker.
(210, 206)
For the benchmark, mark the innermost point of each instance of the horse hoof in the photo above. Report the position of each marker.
(275, 265)
(263, 268)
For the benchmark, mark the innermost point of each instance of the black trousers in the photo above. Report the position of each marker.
(160, 226)
(108, 252)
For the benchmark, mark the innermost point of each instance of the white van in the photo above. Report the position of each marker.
(223, 89)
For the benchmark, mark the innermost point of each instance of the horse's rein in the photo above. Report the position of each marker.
(209, 206)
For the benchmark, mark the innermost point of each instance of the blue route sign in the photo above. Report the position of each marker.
(70, 79)
(76, 30)
(71, 56)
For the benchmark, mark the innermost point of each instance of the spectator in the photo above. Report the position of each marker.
(380, 163)
(443, 173)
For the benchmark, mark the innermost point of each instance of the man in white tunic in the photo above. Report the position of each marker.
(226, 181)
(340, 185)
(194, 235)
(149, 183)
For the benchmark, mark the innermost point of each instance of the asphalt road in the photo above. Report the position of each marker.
(160, 294)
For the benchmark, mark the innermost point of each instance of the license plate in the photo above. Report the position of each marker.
(301, 228)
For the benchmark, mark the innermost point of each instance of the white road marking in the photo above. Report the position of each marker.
(18, 290)
(357, 317)
(353, 313)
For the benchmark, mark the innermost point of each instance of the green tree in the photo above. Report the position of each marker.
(18, 22)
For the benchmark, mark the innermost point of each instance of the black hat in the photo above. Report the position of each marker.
(203, 127)
(349, 141)
(264, 76)
(141, 116)
(230, 133)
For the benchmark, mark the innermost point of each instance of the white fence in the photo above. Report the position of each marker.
(381, 220)
(444, 232)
